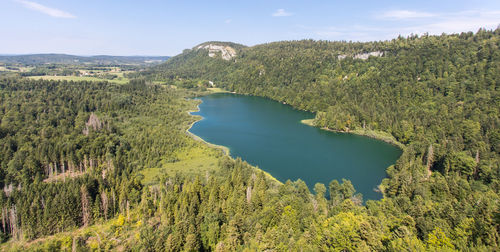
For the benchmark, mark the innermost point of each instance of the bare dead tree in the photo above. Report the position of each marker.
(430, 159)
(85, 206)
(105, 204)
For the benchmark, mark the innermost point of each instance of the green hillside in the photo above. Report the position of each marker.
(437, 95)
(90, 166)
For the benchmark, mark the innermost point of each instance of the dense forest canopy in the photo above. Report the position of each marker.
(437, 95)
(73, 155)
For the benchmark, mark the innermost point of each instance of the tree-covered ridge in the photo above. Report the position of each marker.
(438, 95)
(239, 209)
(95, 132)
(235, 208)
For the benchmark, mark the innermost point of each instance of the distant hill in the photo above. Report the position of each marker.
(36, 59)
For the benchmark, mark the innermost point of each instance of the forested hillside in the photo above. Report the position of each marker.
(437, 95)
(101, 166)
(71, 151)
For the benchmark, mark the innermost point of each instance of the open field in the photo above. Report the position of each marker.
(380, 135)
(80, 78)
(194, 161)
(217, 90)
(21, 69)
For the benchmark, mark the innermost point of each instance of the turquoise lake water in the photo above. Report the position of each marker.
(269, 135)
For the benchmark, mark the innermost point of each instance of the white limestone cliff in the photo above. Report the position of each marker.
(227, 52)
(362, 56)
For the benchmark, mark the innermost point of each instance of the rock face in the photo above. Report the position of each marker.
(362, 56)
(342, 56)
(365, 56)
(227, 52)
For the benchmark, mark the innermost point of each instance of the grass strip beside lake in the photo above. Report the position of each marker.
(225, 149)
(379, 135)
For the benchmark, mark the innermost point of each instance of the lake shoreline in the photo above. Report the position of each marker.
(224, 149)
(197, 138)
(379, 135)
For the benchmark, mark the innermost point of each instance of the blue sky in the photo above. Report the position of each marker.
(153, 27)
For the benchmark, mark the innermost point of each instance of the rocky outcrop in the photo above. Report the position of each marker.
(362, 56)
(226, 52)
(365, 56)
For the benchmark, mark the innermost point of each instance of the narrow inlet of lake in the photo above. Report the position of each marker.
(269, 135)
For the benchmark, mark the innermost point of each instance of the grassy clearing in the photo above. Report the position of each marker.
(380, 135)
(225, 149)
(214, 146)
(119, 80)
(21, 69)
(120, 74)
(217, 90)
(197, 160)
(309, 122)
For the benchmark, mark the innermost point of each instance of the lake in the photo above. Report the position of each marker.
(268, 134)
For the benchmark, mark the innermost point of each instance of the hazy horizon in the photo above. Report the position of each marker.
(90, 55)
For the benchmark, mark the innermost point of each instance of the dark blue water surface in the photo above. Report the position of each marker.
(270, 135)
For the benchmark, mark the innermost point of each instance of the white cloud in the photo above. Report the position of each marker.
(433, 24)
(462, 21)
(405, 14)
(228, 21)
(455, 22)
(282, 13)
(46, 10)
(352, 32)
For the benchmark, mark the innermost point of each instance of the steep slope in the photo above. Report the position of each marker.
(437, 95)
(197, 61)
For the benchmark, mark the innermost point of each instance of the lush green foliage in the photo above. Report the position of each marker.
(96, 132)
(438, 95)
